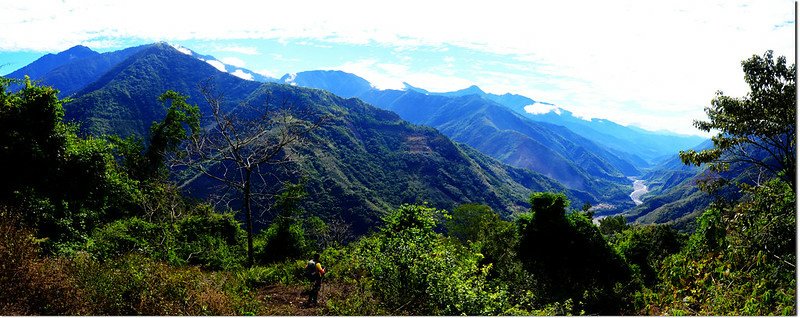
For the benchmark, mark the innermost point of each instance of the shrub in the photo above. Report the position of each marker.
(409, 269)
(32, 285)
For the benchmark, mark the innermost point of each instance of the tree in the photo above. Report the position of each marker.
(471, 222)
(167, 135)
(758, 129)
(286, 237)
(411, 269)
(613, 224)
(741, 260)
(60, 183)
(569, 256)
(240, 146)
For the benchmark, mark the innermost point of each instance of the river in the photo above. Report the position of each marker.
(639, 189)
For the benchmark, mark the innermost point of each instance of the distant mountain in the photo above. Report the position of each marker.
(74, 74)
(47, 63)
(513, 101)
(674, 196)
(503, 134)
(239, 72)
(639, 146)
(79, 66)
(334, 81)
(652, 147)
(362, 164)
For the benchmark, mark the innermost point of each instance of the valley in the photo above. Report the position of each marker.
(639, 189)
(156, 180)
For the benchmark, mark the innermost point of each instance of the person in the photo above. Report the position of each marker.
(315, 272)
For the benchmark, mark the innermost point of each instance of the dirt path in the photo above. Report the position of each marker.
(283, 300)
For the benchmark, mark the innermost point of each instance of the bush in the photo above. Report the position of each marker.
(286, 273)
(741, 260)
(32, 285)
(645, 247)
(133, 285)
(214, 241)
(409, 269)
(126, 236)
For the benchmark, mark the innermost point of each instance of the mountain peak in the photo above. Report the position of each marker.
(79, 49)
(473, 89)
(411, 88)
(51, 61)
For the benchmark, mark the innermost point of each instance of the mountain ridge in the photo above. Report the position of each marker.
(488, 126)
(367, 163)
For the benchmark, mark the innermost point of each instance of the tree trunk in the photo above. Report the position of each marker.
(249, 216)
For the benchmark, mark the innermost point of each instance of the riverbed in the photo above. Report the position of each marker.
(639, 189)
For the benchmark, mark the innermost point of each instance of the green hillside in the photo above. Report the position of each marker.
(360, 164)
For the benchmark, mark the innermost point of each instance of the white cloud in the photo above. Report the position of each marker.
(246, 50)
(539, 108)
(235, 61)
(392, 76)
(241, 74)
(290, 78)
(267, 73)
(618, 59)
(217, 64)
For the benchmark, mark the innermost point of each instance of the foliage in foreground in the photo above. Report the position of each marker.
(740, 261)
(128, 285)
(91, 226)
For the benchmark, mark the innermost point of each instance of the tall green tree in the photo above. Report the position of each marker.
(62, 184)
(148, 160)
(569, 256)
(182, 119)
(758, 129)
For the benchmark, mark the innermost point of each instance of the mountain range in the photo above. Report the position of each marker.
(371, 160)
(492, 124)
(364, 163)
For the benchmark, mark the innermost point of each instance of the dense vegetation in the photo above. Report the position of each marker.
(363, 162)
(92, 225)
(496, 131)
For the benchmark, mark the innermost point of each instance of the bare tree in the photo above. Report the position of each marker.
(242, 148)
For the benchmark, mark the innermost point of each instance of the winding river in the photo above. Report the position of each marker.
(639, 189)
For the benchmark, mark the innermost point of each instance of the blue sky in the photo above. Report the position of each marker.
(653, 64)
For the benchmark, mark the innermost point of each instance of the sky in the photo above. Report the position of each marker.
(651, 64)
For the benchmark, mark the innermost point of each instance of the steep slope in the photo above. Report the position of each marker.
(500, 133)
(363, 163)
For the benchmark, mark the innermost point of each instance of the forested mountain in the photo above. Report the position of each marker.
(401, 220)
(364, 162)
(674, 194)
(50, 61)
(558, 145)
(549, 149)
(123, 100)
(72, 69)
